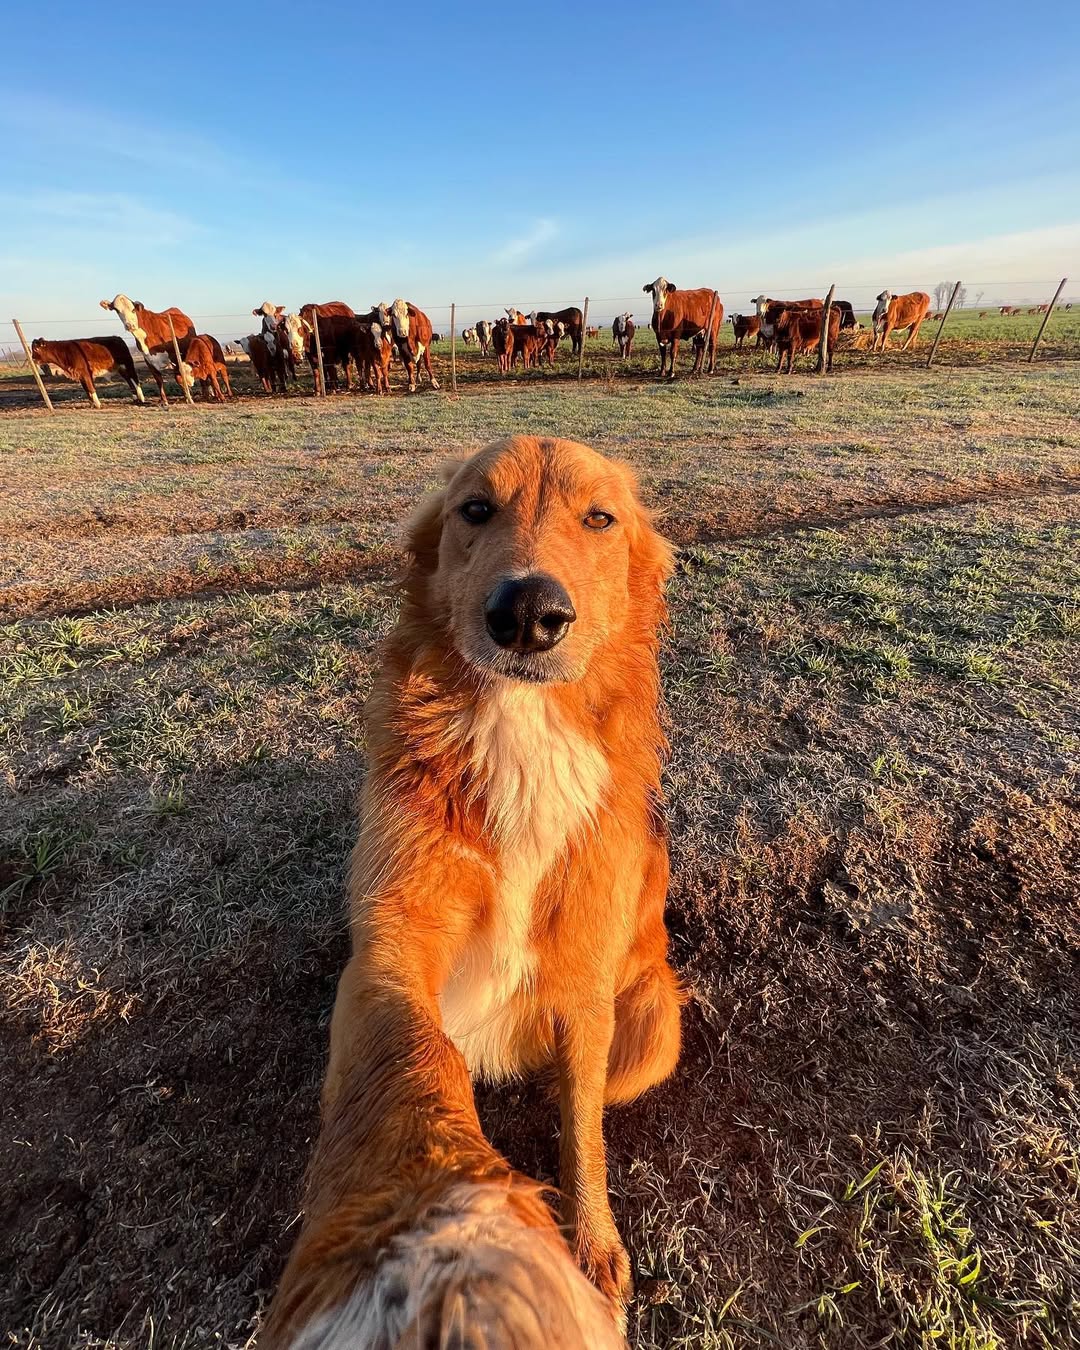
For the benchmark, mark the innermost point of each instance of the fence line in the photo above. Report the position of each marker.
(741, 294)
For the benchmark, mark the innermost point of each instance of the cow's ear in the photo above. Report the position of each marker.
(646, 289)
(671, 286)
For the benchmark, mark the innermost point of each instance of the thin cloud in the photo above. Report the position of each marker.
(526, 245)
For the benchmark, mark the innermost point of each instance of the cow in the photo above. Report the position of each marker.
(528, 340)
(83, 359)
(622, 334)
(153, 336)
(847, 314)
(799, 330)
(515, 316)
(502, 339)
(745, 326)
(483, 336)
(1008, 309)
(268, 372)
(411, 330)
(682, 314)
(983, 313)
(899, 311)
(571, 318)
(592, 332)
(206, 361)
(274, 321)
(769, 310)
(468, 336)
(548, 335)
(336, 340)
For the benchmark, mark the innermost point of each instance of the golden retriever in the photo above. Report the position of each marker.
(507, 890)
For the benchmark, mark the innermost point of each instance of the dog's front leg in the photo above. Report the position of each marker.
(583, 1040)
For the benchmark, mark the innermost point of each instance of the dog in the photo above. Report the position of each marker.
(507, 889)
(417, 1232)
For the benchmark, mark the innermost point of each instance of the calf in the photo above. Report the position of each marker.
(745, 326)
(411, 329)
(683, 314)
(468, 336)
(268, 372)
(622, 331)
(502, 339)
(799, 330)
(372, 349)
(527, 340)
(483, 336)
(153, 333)
(83, 359)
(899, 311)
(206, 361)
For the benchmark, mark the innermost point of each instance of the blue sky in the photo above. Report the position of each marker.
(522, 155)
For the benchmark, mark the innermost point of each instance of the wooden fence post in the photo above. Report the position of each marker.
(584, 325)
(941, 327)
(708, 333)
(1046, 319)
(823, 339)
(179, 363)
(453, 347)
(37, 373)
(320, 392)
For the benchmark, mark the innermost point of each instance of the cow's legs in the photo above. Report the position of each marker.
(87, 382)
(136, 388)
(427, 366)
(157, 376)
(913, 333)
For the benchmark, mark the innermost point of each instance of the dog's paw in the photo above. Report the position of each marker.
(605, 1262)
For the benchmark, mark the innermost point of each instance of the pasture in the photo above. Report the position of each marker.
(873, 681)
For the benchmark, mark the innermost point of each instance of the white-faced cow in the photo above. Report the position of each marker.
(622, 334)
(411, 330)
(769, 310)
(679, 315)
(83, 359)
(894, 312)
(268, 372)
(153, 335)
(468, 336)
(483, 336)
(571, 319)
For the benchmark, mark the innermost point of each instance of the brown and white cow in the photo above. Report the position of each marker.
(83, 359)
(153, 336)
(373, 348)
(799, 330)
(683, 314)
(769, 310)
(515, 316)
(896, 312)
(206, 361)
(411, 329)
(622, 334)
(468, 336)
(745, 326)
(483, 336)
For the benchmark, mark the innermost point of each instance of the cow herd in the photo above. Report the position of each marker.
(351, 351)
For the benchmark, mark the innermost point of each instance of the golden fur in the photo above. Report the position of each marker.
(508, 886)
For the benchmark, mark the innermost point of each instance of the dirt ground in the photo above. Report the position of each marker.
(873, 1138)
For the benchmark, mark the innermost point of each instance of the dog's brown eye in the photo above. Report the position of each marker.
(599, 520)
(477, 511)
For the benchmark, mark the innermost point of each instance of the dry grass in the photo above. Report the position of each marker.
(874, 1138)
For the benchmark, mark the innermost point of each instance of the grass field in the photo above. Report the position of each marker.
(873, 676)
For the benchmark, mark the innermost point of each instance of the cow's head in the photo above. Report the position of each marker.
(295, 335)
(659, 289)
(885, 297)
(245, 345)
(127, 311)
(399, 318)
(37, 349)
(268, 311)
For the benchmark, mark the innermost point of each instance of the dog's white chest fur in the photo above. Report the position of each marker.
(544, 782)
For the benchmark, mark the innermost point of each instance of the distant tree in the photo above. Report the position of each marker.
(961, 297)
(941, 294)
(978, 299)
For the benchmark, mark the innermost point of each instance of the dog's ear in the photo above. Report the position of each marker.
(423, 533)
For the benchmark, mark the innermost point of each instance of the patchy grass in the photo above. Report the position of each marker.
(872, 676)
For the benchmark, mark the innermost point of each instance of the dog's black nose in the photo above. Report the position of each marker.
(531, 614)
